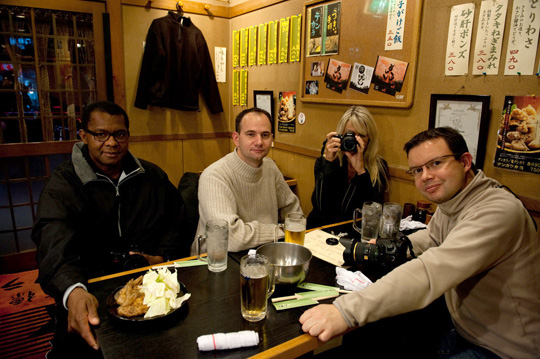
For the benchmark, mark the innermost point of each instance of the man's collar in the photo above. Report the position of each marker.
(128, 163)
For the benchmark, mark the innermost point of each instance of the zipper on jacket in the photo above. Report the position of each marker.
(117, 188)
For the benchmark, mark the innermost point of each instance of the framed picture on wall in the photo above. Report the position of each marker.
(469, 114)
(265, 101)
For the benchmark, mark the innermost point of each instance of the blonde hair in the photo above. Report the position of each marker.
(364, 124)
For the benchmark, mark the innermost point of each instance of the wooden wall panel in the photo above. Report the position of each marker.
(166, 154)
(136, 22)
(291, 165)
(199, 154)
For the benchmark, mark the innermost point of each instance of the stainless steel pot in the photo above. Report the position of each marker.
(290, 261)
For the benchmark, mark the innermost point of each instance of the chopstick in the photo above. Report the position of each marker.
(315, 295)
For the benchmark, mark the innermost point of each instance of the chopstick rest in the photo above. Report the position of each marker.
(220, 341)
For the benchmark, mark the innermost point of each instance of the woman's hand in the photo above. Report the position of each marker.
(356, 159)
(333, 146)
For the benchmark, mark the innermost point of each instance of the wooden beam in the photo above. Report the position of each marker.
(249, 6)
(114, 8)
(189, 7)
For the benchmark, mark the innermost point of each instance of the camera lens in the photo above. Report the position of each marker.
(348, 142)
(135, 261)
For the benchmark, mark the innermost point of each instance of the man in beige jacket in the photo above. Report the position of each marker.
(480, 250)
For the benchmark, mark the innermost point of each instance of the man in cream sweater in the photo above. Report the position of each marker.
(245, 188)
(480, 249)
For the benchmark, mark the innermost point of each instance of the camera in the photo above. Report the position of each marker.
(348, 141)
(123, 261)
(384, 255)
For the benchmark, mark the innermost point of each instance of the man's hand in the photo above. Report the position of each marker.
(151, 259)
(323, 321)
(82, 310)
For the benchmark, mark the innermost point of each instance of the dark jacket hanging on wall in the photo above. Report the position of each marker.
(176, 66)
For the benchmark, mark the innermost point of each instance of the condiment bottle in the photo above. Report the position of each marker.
(422, 208)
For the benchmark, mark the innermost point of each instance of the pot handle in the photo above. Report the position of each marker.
(276, 236)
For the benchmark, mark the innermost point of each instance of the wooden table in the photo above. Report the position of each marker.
(214, 307)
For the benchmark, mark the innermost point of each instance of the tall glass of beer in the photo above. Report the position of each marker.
(256, 283)
(295, 228)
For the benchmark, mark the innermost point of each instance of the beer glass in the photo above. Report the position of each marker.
(216, 237)
(371, 217)
(390, 220)
(294, 228)
(257, 285)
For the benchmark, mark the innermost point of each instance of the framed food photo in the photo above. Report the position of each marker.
(469, 114)
(265, 101)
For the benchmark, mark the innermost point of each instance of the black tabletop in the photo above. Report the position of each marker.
(214, 307)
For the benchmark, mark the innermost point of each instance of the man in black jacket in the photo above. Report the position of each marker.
(99, 212)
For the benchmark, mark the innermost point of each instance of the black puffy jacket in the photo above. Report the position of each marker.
(83, 216)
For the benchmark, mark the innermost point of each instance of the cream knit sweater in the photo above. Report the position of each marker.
(251, 199)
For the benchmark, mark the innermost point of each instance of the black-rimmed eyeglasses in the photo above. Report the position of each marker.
(103, 136)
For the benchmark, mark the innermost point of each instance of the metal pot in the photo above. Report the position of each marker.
(290, 261)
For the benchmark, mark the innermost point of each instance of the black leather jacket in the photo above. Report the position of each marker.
(176, 67)
(334, 200)
(83, 216)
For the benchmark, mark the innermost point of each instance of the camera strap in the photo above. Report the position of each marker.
(323, 146)
(408, 243)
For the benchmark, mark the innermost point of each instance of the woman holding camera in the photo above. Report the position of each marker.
(349, 171)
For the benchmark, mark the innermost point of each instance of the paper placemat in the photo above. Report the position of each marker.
(315, 241)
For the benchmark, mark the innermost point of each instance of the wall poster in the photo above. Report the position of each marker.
(324, 24)
(469, 114)
(389, 75)
(518, 140)
(287, 112)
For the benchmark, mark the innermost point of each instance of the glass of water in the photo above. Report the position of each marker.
(217, 238)
(391, 218)
(371, 217)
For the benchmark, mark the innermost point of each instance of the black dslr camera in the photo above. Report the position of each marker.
(122, 261)
(348, 141)
(384, 255)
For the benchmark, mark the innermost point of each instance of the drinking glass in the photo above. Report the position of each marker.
(294, 228)
(216, 237)
(391, 218)
(371, 217)
(256, 282)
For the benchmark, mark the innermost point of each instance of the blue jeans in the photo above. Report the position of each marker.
(454, 346)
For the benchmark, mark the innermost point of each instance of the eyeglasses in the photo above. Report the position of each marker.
(433, 165)
(103, 136)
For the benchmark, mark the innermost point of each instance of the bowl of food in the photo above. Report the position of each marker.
(290, 261)
(155, 295)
